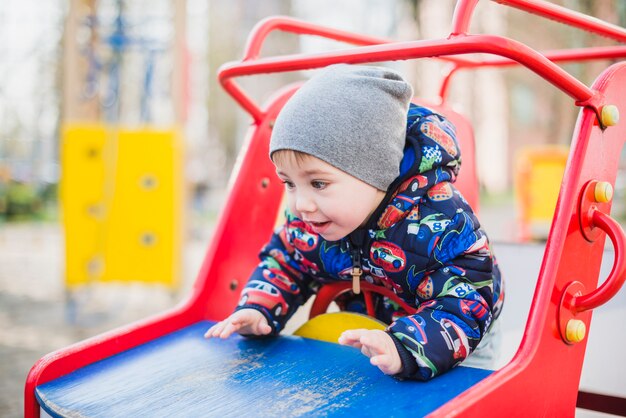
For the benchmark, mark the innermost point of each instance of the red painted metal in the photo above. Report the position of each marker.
(369, 303)
(616, 278)
(569, 17)
(246, 221)
(490, 44)
(565, 312)
(556, 56)
(332, 291)
(569, 258)
(461, 19)
(247, 218)
(462, 16)
(260, 32)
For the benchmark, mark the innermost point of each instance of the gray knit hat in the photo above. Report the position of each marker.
(352, 117)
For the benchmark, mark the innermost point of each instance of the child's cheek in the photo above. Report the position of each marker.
(291, 204)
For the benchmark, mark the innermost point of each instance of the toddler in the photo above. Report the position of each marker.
(368, 177)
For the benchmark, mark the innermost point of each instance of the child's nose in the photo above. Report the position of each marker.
(304, 203)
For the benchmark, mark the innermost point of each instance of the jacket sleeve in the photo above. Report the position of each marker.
(279, 284)
(453, 281)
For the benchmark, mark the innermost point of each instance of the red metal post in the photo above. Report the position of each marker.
(462, 16)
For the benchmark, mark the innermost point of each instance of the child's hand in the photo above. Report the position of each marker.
(377, 345)
(245, 321)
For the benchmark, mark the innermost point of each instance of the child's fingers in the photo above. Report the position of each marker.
(244, 321)
(215, 330)
(352, 338)
(389, 364)
(373, 342)
(219, 329)
(230, 327)
(380, 360)
(251, 322)
(263, 328)
(207, 334)
(385, 363)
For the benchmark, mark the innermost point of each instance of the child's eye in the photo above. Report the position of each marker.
(288, 185)
(319, 184)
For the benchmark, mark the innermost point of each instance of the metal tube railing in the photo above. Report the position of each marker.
(375, 49)
(568, 17)
(490, 44)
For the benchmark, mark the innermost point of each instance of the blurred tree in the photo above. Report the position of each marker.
(230, 24)
(80, 103)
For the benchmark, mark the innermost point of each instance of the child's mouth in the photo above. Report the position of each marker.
(319, 227)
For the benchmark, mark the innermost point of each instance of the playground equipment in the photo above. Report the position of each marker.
(122, 179)
(121, 196)
(163, 366)
(538, 175)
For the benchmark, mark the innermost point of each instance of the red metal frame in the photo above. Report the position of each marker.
(545, 372)
(616, 278)
(242, 227)
(466, 44)
(556, 56)
(569, 17)
(508, 52)
(332, 291)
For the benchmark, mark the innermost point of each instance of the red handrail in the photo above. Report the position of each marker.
(616, 278)
(569, 17)
(509, 52)
(558, 55)
(465, 44)
(262, 29)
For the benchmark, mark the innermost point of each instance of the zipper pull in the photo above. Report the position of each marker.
(356, 271)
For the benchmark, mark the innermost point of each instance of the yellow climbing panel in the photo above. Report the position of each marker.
(121, 199)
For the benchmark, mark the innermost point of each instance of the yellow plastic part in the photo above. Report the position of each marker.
(144, 227)
(121, 199)
(575, 331)
(609, 115)
(82, 201)
(603, 192)
(329, 326)
(538, 175)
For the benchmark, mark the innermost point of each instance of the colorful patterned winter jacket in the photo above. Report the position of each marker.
(423, 242)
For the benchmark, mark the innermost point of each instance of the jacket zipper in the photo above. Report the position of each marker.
(356, 270)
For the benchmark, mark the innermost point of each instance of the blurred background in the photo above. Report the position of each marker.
(117, 142)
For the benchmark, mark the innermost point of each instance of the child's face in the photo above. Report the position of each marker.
(332, 202)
